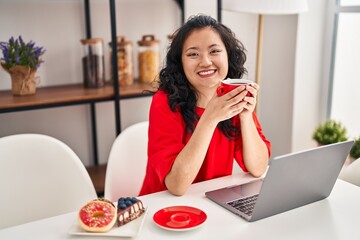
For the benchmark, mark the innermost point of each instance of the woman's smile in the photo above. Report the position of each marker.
(207, 73)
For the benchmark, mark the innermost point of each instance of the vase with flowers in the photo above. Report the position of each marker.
(21, 60)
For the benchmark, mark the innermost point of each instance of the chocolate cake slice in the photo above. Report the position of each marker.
(128, 209)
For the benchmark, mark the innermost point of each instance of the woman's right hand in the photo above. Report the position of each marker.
(224, 107)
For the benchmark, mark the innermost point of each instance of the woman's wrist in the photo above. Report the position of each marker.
(245, 118)
(208, 123)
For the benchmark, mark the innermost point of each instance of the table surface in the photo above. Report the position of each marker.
(337, 217)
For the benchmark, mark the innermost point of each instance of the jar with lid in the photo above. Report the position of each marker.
(93, 62)
(149, 58)
(125, 67)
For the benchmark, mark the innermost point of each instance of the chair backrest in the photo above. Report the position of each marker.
(351, 173)
(40, 177)
(127, 162)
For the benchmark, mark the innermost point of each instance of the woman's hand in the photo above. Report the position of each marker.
(250, 100)
(222, 108)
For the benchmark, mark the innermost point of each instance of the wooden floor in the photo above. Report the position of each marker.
(97, 175)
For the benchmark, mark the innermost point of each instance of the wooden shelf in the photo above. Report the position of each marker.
(63, 95)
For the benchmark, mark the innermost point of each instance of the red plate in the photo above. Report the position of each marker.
(179, 218)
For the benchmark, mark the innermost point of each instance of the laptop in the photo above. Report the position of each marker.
(292, 180)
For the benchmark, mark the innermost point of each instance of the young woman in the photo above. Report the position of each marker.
(195, 135)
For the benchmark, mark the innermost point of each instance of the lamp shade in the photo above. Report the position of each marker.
(266, 6)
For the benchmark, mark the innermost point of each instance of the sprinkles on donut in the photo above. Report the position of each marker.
(98, 215)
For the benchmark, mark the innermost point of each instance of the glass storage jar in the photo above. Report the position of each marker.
(125, 67)
(149, 58)
(93, 62)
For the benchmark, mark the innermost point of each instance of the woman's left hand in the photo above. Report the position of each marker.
(250, 100)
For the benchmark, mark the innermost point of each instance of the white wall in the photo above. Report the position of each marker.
(310, 86)
(277, 84)
(289, 107)
(194, 7)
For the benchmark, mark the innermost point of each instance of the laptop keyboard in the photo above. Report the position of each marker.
(245, 205)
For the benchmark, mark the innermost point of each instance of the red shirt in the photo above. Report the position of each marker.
(168, 136)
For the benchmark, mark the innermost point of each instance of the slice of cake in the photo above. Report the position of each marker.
(128, 209)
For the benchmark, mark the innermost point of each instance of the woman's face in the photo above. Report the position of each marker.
(204, 59)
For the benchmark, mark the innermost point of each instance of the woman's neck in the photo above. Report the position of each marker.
(203, 98)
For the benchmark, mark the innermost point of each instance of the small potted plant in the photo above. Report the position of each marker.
(355, 150)
(329, 132)
(21, 60)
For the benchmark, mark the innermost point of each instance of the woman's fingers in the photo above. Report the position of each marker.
(235, 92)
(250, 100)
(253, 89)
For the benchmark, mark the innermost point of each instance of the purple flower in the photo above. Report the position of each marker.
(11, 40)
(21, 41)
(17, 52)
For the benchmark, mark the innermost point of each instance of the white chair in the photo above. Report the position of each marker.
(127, 162)
(351, 173)
(40, 177)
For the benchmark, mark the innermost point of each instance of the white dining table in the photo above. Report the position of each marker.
(336, 217)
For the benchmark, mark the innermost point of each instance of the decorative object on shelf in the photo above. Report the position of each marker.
(149, 58)
(330, 132)
(355, 150)
(125, 64)
(93, 63)
(21, 60)
(261, 7)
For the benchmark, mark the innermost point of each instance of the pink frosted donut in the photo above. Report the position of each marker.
(99, 215)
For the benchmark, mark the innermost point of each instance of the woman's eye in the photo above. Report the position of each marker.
(214, 51)
(192, 54)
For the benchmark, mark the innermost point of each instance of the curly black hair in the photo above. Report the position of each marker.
(172, 79)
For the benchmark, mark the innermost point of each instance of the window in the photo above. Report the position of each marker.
(344, 94)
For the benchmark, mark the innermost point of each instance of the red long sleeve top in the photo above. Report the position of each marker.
(168, 136)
